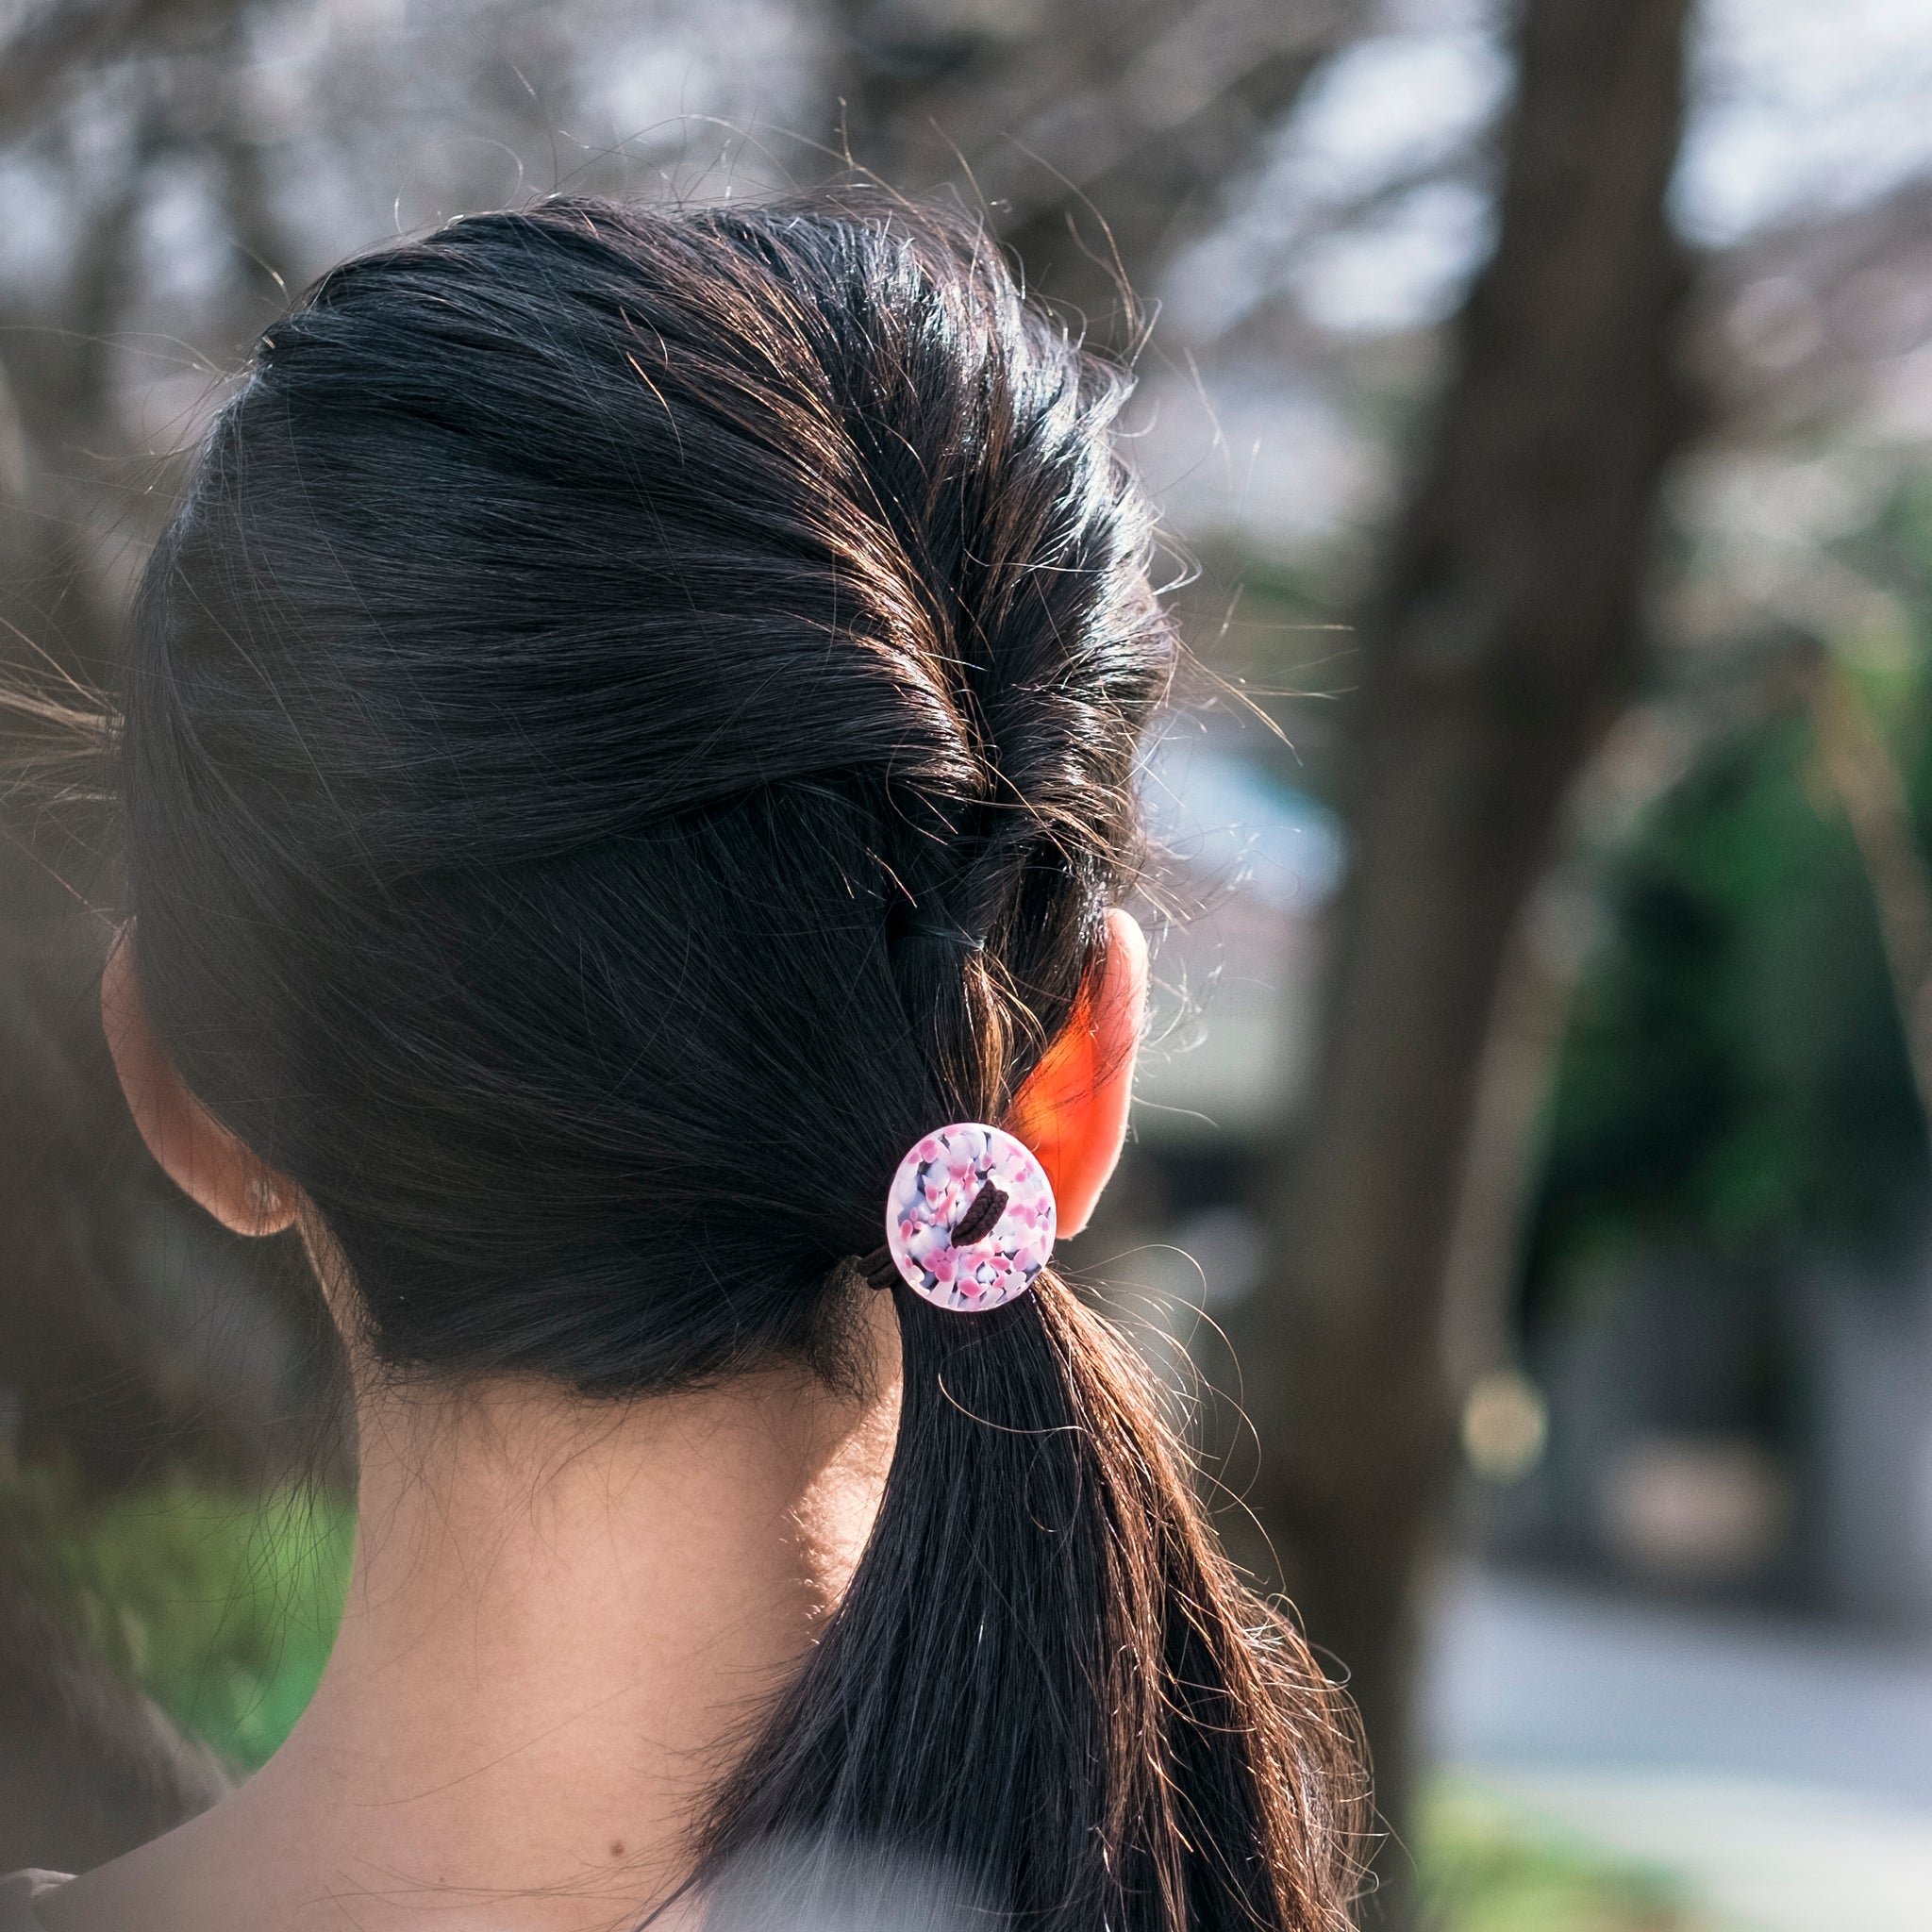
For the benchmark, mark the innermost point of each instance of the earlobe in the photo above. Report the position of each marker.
(1073, 1110)
(199, 1155)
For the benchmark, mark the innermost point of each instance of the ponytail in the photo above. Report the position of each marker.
(1046, 1677)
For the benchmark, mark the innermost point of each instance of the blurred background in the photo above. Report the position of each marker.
(1531, 1191)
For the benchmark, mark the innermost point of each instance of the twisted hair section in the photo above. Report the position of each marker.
(633, 725)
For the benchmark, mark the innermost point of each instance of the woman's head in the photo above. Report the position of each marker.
(634, 724)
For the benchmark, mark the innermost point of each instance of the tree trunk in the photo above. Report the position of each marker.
(1505, 637)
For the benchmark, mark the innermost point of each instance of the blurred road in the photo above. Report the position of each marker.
(1785, 1771)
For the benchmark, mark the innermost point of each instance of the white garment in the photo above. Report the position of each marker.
(18, 1891)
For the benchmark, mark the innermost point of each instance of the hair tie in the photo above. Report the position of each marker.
(970, 1219)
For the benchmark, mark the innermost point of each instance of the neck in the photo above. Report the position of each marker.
(562, 1622)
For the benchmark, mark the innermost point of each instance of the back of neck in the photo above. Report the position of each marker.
(563, 1618)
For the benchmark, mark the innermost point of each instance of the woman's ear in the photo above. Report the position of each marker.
(196, 1152)
(1073, 1110)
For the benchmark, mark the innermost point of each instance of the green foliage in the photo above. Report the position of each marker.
(1734, 1071)
(1735, 1076)
(222, 1608)
(1485, 1868)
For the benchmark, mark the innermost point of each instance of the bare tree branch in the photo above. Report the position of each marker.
(1794, 323)
(63, 38)
(1090, 136)
(1860, 769)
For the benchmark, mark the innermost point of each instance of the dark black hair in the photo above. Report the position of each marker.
(605, 663)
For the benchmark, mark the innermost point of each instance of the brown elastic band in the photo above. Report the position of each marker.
(978, 1221)
(981, 1218)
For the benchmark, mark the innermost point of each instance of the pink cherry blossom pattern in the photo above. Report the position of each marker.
(933, 1192)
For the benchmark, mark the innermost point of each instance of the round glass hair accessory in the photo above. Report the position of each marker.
(969, 1218)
